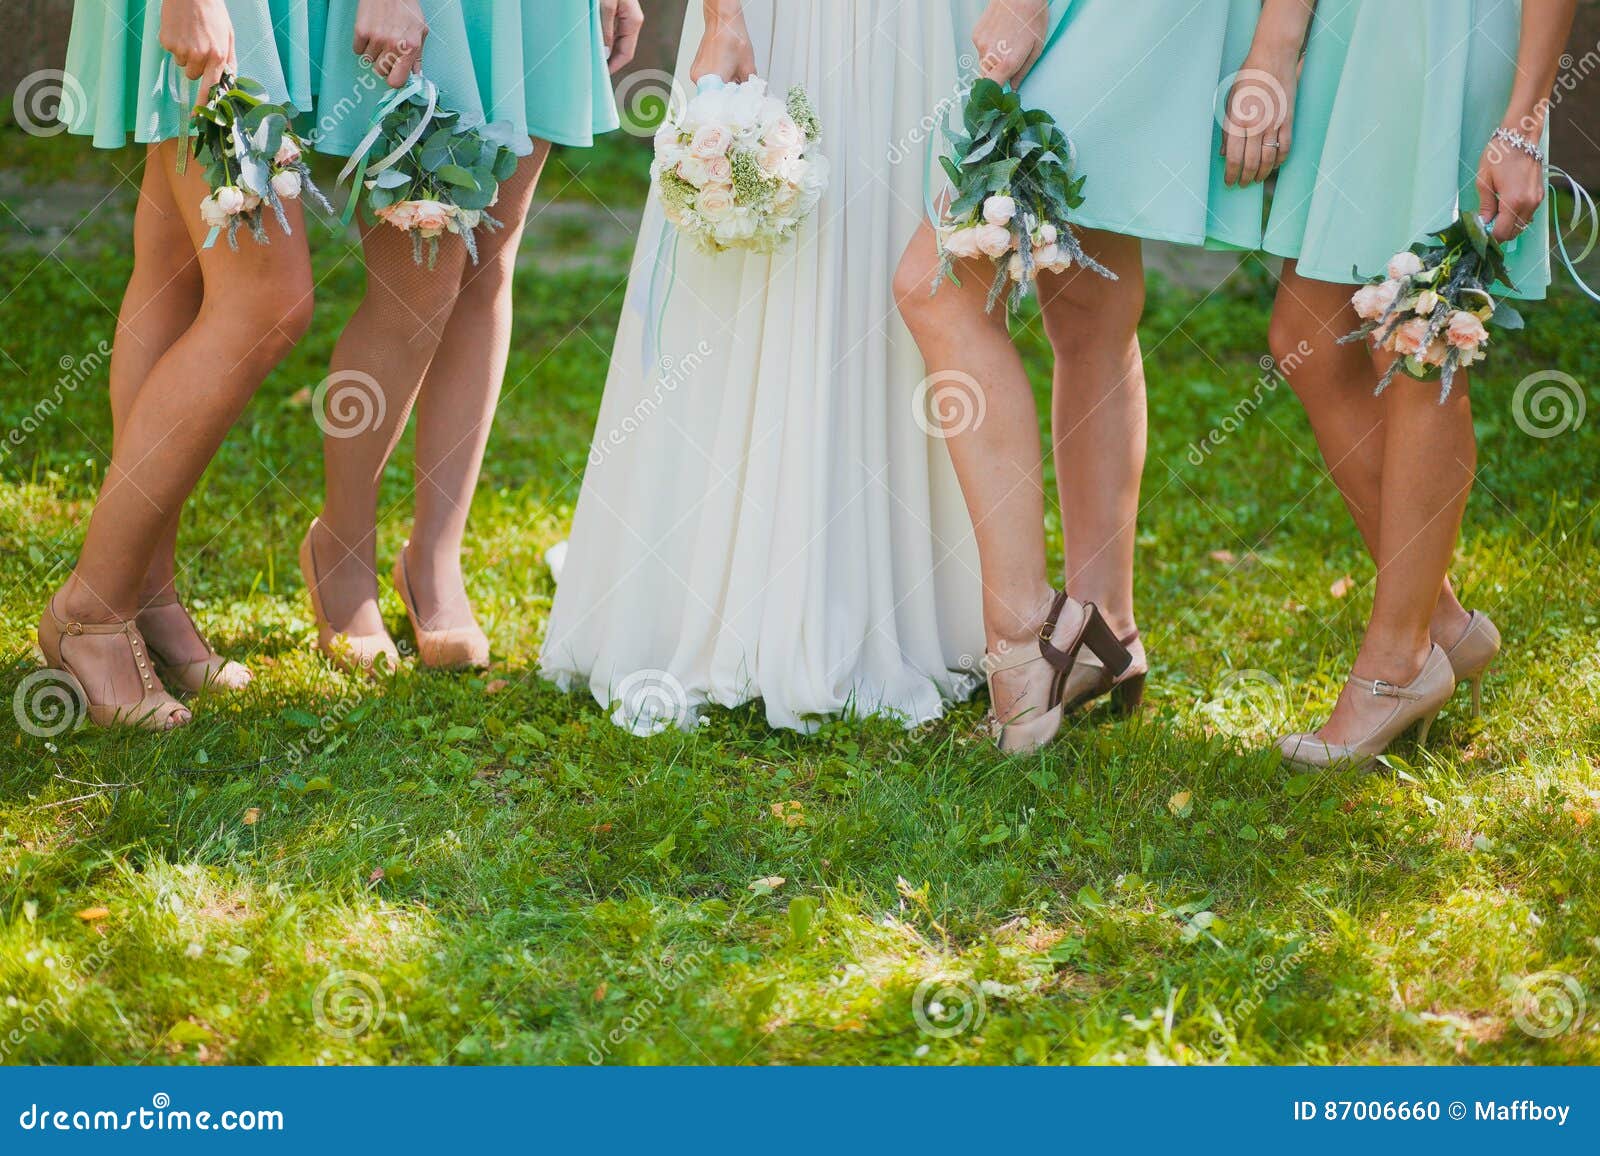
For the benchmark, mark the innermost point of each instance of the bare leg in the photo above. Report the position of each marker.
(257, 304)
(378, 368)
(1331, 381)
(1417, 506)
(974, 365)
(1098, 421)
(456, 409)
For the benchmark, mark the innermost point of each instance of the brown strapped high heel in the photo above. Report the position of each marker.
(1091, 681)
(210, 673)
(1022, 735)
(156, 710)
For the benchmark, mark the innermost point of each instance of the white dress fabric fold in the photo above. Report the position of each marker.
(763, 515)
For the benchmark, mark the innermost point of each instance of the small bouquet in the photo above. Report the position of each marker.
(1014, 192)
(1434, 306)
(253, 161)
(437, 172)
(739, 168)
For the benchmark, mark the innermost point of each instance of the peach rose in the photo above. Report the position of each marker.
(963, 244)
(433, 218)
(1410, 338)
(714, 202)
(1466, 331)
(1436, 352)
(994, 240)
(709, 141)
(719, 171)
(1369, 302)
(1427, 302)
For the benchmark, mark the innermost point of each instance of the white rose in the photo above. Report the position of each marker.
(288, 153)
(1427, 302)
(1048, 234)
(998, 210)
(1047, 256)
(963, 244)
(229, 199)
(1405, 264)
(213, 214)
(286, 184)
(696, 171)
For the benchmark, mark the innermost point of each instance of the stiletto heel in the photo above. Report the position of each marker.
(1423, 728)
(1473, 654)
(354, 652)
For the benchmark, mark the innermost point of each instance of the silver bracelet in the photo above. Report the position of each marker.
(1521, 143)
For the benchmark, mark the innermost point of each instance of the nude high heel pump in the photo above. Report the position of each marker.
(464, 648)
(156, 710)
(358, 653)
(1032, 728)
(1473, 654)
(1416, 704)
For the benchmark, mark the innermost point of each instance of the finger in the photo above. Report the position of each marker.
(1250, 171)
(1233, 146)
(1285, 141)
(624, 47)
(362, 46)
(232, 64)
(209, 77)
(1027, 65)
(608, 24)
(1488, 200)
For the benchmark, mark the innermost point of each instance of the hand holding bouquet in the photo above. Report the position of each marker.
(253, 161)
(738, 168)
(1434, 306)
(1014, 192)
(436, 172)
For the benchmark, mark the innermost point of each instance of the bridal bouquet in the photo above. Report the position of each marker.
(739, 168)
(252, 161)
(1433, 307)
(437, 173)
(1014, 192)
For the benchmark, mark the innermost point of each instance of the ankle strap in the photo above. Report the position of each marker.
(74, 629)
(1381, 689)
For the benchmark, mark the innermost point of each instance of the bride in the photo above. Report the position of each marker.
(765, 513)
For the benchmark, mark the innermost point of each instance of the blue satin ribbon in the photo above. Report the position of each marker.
(1583, 207)
(358, 163)
(664, 270)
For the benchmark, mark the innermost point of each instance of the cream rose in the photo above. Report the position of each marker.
(696, 171)
(286, 184)
(212, 213)
(1403, 265)
(715, 202)
(998, 210)
(963, 244)
(229, 199)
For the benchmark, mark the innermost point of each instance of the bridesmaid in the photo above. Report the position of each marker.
(1406, 113)
(1134, 87)
(198, 331)
(440, 338)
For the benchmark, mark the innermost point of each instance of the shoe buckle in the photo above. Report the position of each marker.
(1047, 631)
(1381, 689)
(74, 629)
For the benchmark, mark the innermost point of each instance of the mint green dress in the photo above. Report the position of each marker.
(1397, 102)
(1134, 84)
(536, 64)
(130, 85)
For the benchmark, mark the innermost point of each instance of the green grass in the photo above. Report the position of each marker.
(515, 880)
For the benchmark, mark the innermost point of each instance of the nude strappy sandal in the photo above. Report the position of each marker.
(1033, 728)
(463, 648)
(156, 710)
(210, 673)
(1090, 681)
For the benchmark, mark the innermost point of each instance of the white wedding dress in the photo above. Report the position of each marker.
(763, 515)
